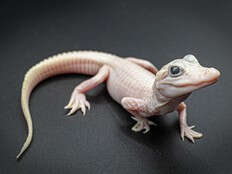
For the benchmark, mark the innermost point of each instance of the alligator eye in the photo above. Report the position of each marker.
(175, 71)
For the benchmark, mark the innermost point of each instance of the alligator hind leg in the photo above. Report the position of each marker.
(78, 99)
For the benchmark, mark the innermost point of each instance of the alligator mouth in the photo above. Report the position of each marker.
(211, 75)
(200, 84)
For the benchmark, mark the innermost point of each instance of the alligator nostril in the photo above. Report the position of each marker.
(215, 72)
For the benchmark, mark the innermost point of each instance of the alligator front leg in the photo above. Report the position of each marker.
(136, 107)
(185, 130)
(144, 63)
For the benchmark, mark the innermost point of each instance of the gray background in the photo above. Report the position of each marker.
(102, 141)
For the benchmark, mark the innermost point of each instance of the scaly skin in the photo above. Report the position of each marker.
(134, 83)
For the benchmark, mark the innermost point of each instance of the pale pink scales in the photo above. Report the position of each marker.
(120, 82)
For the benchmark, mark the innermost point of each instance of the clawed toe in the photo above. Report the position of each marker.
(142, 124)
(77, 101)
(137, 127)
(187, 131)
(87, 104)
(73, 108)
(147, 129)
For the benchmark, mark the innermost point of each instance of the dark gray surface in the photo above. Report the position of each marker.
(102, 141)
